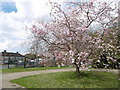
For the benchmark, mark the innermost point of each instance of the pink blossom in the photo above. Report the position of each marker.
(70, 32)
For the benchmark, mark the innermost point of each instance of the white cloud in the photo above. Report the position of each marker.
(12, 25)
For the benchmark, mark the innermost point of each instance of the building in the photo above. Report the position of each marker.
(11, 57)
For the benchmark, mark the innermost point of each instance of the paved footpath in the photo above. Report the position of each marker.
(6, 77)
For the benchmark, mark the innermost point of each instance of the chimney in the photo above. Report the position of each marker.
(4, 50)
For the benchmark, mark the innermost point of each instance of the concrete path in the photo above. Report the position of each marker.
(6, 77)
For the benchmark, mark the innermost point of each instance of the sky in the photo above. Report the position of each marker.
(14, 15)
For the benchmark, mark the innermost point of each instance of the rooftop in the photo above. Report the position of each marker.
(4, 53)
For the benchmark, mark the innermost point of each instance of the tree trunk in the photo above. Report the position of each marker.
(77, 69)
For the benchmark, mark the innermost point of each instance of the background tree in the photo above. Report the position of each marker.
(30, 56)
(108, 49)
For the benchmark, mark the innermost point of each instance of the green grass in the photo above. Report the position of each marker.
(87, 79)
(21, 69)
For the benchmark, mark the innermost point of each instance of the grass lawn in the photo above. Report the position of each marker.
(87, 79)
(21, 69)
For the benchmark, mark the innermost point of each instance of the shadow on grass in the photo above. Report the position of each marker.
(92, 75)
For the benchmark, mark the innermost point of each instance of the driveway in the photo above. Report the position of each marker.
(6, 77)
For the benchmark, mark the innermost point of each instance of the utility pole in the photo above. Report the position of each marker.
(119, 22)
(119, 29)
(16, 61)
(25, 62)
(8, 62)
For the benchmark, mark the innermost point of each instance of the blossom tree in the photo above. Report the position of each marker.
(108, 49)
(68, 31)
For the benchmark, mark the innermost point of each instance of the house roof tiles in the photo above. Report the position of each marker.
(11, 54)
